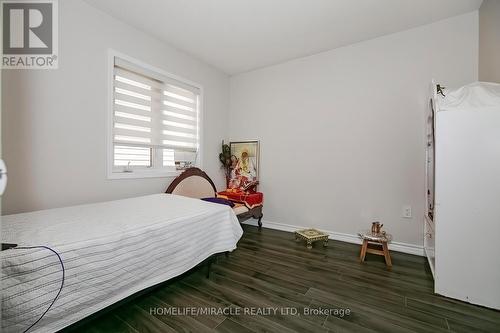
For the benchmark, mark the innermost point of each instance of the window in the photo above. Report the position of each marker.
(154, 121)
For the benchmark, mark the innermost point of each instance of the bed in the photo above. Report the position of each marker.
(195, 183)
(109, 250)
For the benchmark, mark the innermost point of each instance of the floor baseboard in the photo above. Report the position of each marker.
(349, 238)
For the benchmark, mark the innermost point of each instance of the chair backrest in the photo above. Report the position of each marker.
(193, 183)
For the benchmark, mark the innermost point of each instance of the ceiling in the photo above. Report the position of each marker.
(241, 35)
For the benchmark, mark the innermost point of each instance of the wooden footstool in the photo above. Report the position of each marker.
(380, 241)
(310, 236)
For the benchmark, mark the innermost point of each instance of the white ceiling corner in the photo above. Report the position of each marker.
(241, 35)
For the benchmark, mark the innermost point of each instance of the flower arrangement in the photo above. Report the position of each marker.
(225, 160)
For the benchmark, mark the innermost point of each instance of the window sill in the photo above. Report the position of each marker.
(143, 174)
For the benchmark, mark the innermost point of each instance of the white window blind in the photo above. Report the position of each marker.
(132, 156)
(155, 118)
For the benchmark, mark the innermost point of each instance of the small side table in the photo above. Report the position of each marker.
(379, 240)
(310, 236)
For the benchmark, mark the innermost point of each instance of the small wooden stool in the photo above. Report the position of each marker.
(310, 236)
(380, 241)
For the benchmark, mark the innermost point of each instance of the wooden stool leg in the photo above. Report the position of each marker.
(387, 255)
(259, 222)
(363, 250)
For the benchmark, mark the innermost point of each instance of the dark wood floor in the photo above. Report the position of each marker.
(269, 269)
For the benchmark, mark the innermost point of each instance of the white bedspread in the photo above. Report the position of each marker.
(110, 250)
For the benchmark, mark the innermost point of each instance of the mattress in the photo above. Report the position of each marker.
(110, 251)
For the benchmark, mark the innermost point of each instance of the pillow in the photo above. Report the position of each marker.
(219, 201)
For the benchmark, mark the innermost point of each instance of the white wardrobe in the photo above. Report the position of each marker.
(462, 224)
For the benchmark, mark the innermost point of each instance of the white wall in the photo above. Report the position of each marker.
(489, 41)
(342, 132)
(54, 121)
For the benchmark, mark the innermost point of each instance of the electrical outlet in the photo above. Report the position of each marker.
(406, 213)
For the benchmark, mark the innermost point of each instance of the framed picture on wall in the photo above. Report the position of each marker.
(244, 164)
